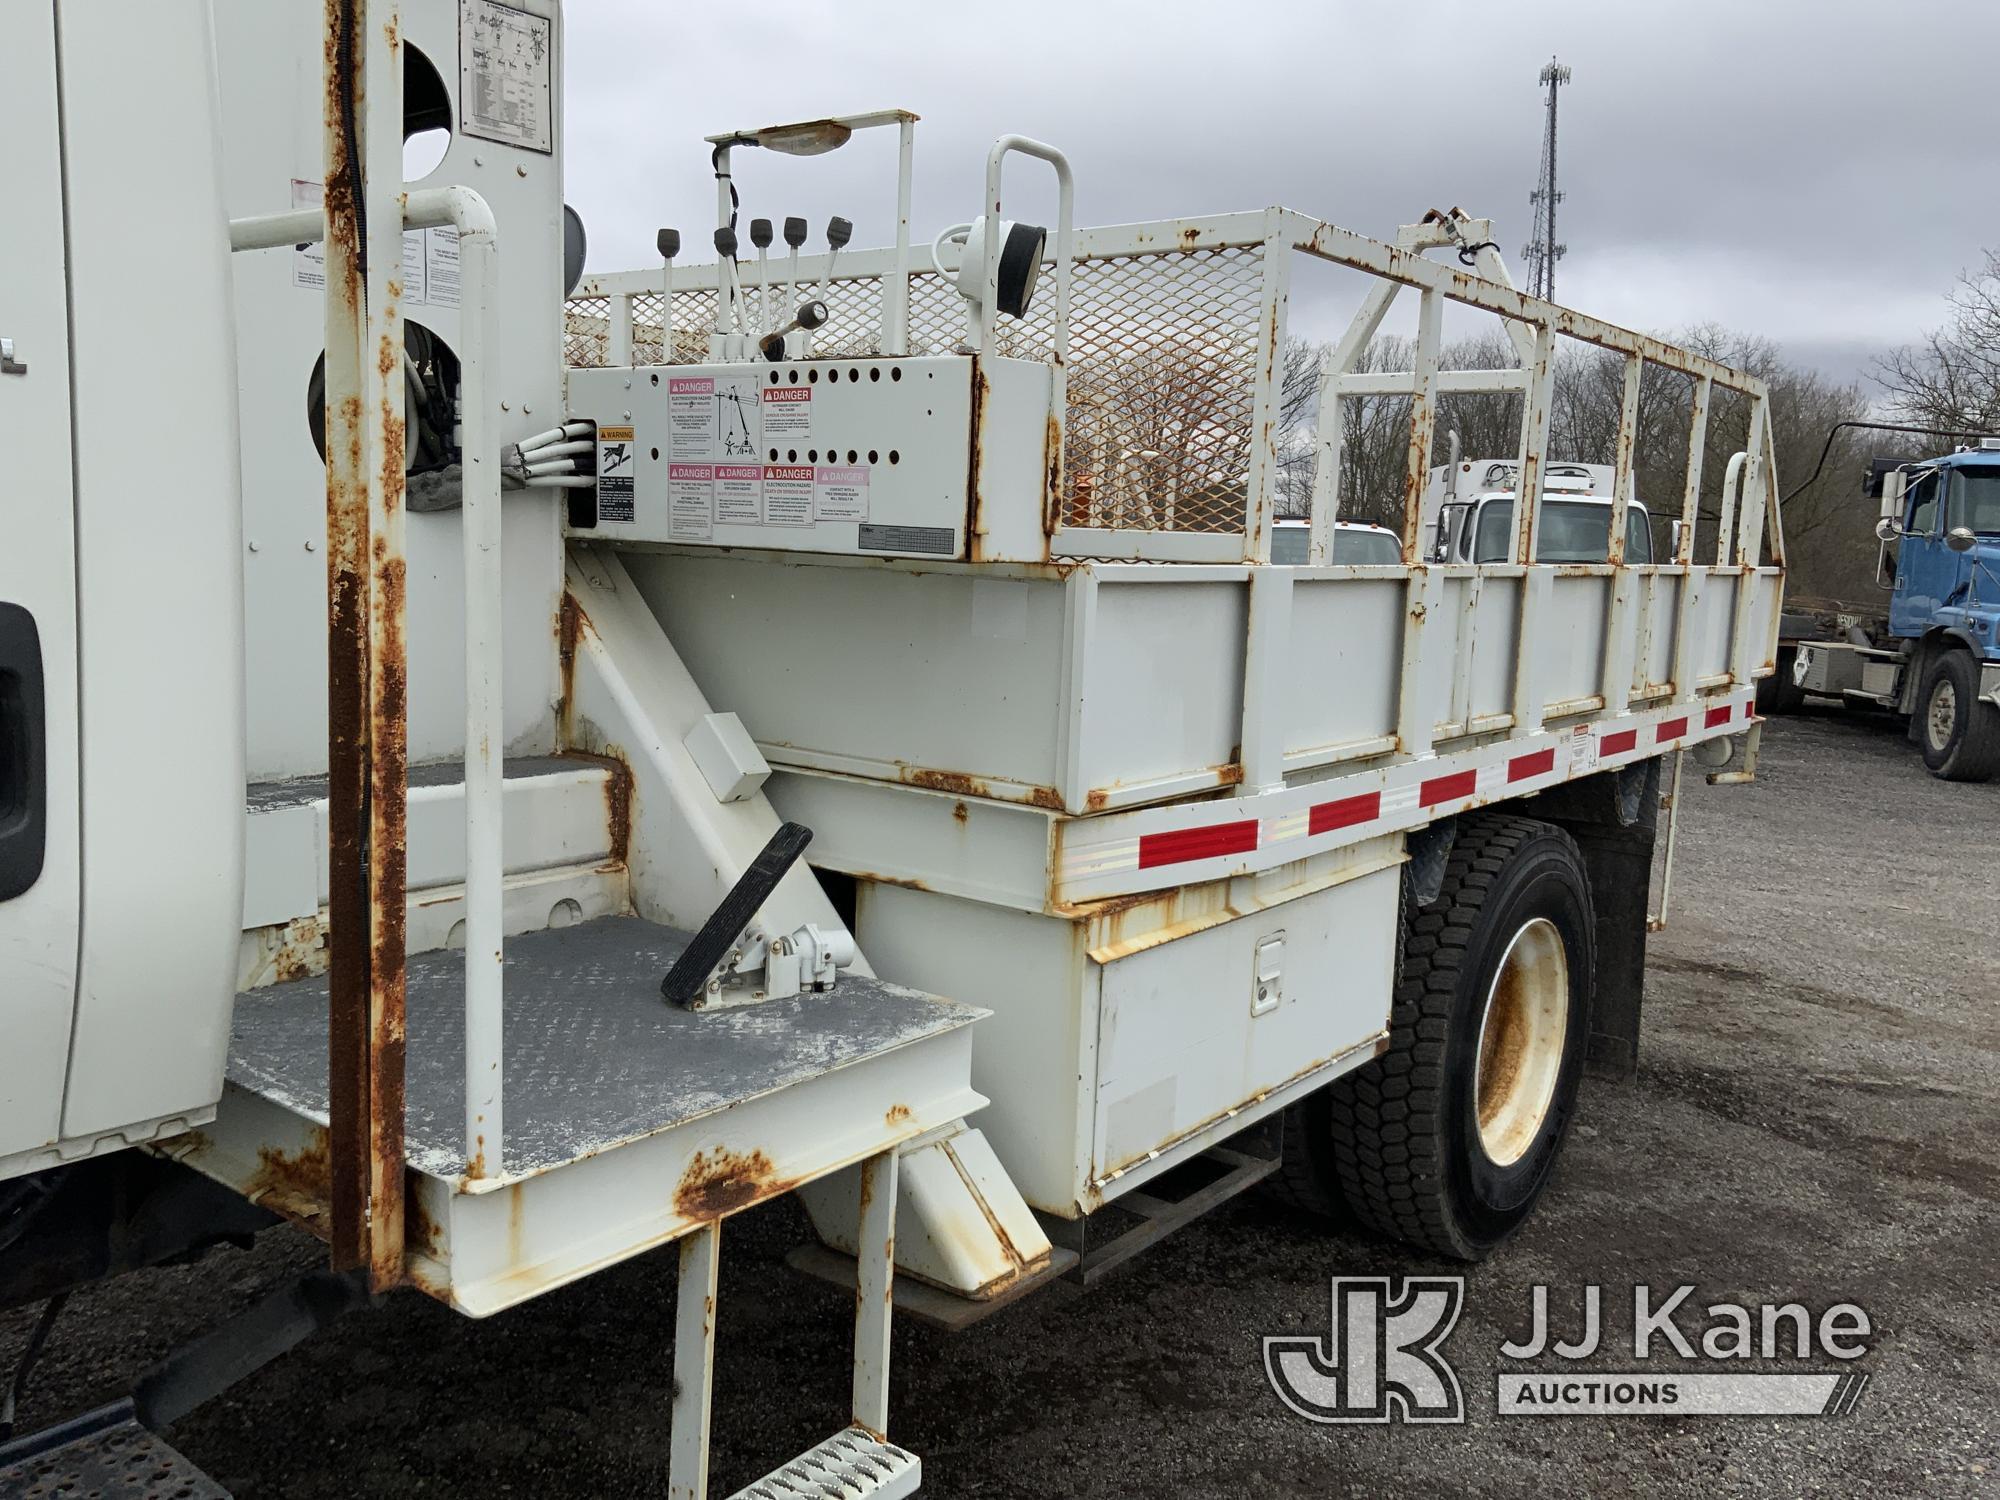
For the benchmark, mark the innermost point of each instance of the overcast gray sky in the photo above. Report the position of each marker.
(1815, 172)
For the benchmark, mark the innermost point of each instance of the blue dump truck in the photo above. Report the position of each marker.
(1935, 656)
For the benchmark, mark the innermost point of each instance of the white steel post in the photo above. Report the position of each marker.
(1536, 581)
(1750, 525)
(694, 1364)
(1079, 621)
(1534, 450)
(1329, 437)
(618, 337)
(1268, 640)
(874, 1291)
(1618, 641)
(1423, 423)
(480, 531)
(1692, 577)
(1658, 920)
(896, 296)
(1261, 489)
(1725, 525)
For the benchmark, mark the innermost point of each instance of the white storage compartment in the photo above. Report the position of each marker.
(1140, 1033)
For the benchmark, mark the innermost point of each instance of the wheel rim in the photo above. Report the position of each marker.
(1943, 717)
(1521, 1038)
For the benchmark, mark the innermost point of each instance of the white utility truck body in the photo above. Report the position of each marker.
(406, 773)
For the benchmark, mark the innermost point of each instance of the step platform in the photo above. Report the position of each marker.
(847, 1466)
(120, 1460)
(628, 1123)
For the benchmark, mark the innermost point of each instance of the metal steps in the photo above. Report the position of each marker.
(852, 1464)
(125, 1460)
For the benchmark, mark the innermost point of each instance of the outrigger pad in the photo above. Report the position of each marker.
(689, 976)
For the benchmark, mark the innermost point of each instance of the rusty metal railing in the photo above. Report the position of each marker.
(366, 660)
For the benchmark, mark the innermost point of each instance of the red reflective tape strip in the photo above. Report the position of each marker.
(1184, 844)
(1324, 817)
(1619, 743)
(1540, 763)
(1447, 788)
(1717, 716)
(1671, 729)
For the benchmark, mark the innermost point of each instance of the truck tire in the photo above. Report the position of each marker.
(1780, 693)
(1449, 1137)
(1958, 731)
(1307, 1182)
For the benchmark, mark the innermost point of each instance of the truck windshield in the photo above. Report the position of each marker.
(1975, 501)
(1573, 531)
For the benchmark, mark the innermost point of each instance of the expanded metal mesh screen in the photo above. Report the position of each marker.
(1163, 359)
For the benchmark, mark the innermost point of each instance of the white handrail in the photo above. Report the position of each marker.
(466, 211)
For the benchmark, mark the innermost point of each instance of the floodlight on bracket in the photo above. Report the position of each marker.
(816, 138)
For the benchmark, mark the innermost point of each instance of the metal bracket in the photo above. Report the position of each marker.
(8, 364)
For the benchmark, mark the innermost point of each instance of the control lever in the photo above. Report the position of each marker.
(809, 316)
(796, 230)
(760, 236)
(669, 243)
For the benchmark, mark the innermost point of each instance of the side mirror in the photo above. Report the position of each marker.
(1960, 539)
(1887, 530)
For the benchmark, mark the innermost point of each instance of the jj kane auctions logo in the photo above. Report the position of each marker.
(1383, 1358)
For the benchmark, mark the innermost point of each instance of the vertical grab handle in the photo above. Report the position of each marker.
(1065, 236)
(24, 754)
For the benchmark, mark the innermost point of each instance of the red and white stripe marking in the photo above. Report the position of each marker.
(1181, 843)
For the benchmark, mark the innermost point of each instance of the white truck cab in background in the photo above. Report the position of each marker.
(1475, 500)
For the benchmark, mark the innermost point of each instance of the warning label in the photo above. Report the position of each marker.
(615, 467)
(788, 494)
(739, 494)
(840, 494)
(788, 413)
(691, 501)
(1582, 748)
(430, 257)
(712, 418)
(690, 417)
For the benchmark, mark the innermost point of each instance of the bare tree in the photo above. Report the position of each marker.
(1951, 377)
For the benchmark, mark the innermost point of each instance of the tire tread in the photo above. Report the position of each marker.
(1387, 1119)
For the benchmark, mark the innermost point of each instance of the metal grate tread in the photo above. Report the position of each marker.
(846, 1466)
(121, 1462)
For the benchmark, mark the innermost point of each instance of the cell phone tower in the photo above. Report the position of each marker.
(1544, 250)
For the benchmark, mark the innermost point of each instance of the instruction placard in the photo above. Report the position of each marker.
(616, 463)
(713, 419)
(691, 501)
(788, 494)
(503, 74)
(690, 417)
(1582, 748)
(430, 257)
(840, 494)
(788, 413)
(739, 494)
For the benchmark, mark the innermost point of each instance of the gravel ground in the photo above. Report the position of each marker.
(1813, 1120)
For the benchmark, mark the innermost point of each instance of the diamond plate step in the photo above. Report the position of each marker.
(846, 1466)
(120, 1462)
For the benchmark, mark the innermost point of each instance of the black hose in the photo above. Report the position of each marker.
(350, 140)
(1834, 431)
